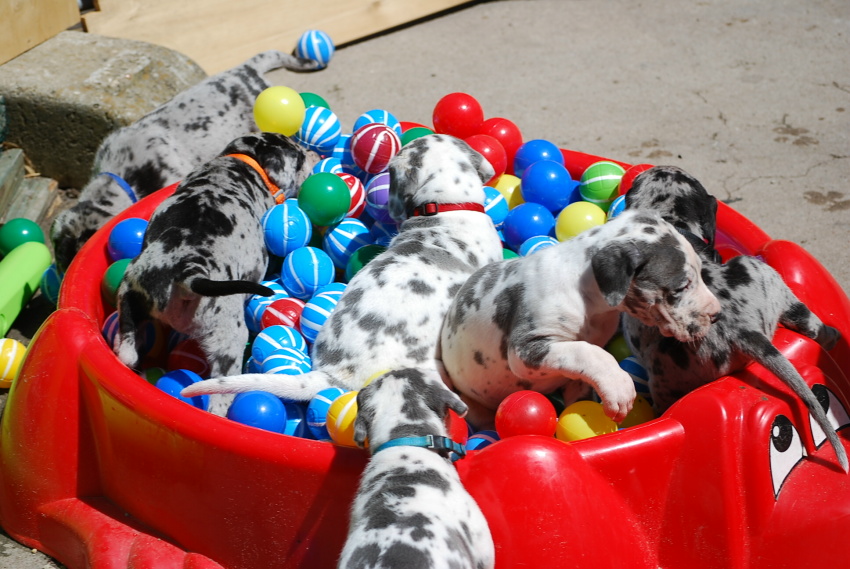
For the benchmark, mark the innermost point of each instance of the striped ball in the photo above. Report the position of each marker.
(305, 270)
(600, 183)
(187, 355)
(316, 313)
(334, 288)
(110, 329)
(285, 311)
(11, 357)
(50, 282)
(378, 116)
(286, 228)
(256, 306)
(317, 412)
(481, 439)
(372, 147)
(340, 419)
(383, 232)
(275, 338)
(331, 165)
(342, 152)
(252, 366)
(617, 207)
(320, 130)
(495, 205)
(344, 238)
(358, 194)
(536, 243)
(632, 366)
(315, 45)
(378, 197)
(296, 419)
(286, 361)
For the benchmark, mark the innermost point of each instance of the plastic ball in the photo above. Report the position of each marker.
(275, 338)
(508, 254)
(373, 146)
(578, 217)
(316, 312)
(315, 45)
(256, 307)
(413, 133)
(383, 233)
(618, 348)
(357, 191)
(526, 413)
(176, 380)
(481, 439)
(582, 420)
(617, 207)
(641, 412)
(279, 109)
(325, 198)
(51, 280)
(305, 270)
(286, 361)
(258, 409)
(525, 221)
(332, 165)
(344, 238)
(313, 100)
(282, 311)
(600, 183)
(535, 151)
(640, 377)
(286, 227)
(152, 374)
(251, 366)
(507, 133)
(153, 339)
(334, 289)
(320, 130)
(629, 177)
(535, 244)
(492, 151)
(188, 355)
(458, 114)
(509, 185)
(296, 420)
(378, 116)
(340, 419)
(342, 152)
(110, 328)
(378, 197)
(495, 205)
(112, 279)
(18, 231)
(360, 258)
(548, 183)
(125, 239)
(11, 357)
(317, 412)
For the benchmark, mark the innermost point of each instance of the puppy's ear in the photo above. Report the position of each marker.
(614, 266)
(403, 183)
(709, 222)
(363, 421)
(441, 399)
(482, 167)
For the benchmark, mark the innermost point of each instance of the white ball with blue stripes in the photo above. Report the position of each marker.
(317, 412)
(286, 361)
(286, 228)
(257, 304)
(342, 152)
(632, 366)
(315, 314)
(274, 338)
(617, 207)
(320, 130)
(379, 116)
(535, 244)
(305, 270)
(330, 165)
(495, 205)
(335, 288)
(344, 238)
(316, 45)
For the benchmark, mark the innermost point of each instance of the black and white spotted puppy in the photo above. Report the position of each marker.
(411, 509)
(539, 322)
(389, 316)
(204, 251)
(753, 297)
(165, 145)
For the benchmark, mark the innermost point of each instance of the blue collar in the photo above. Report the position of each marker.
(122, 183)
(454, 450)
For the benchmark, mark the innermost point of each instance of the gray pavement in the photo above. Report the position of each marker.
(752, 98)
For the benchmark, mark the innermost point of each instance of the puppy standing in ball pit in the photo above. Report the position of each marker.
(389, 316)
(411, 509)
(753, 297)
(203, 251)
(165, 145)
(540, 322)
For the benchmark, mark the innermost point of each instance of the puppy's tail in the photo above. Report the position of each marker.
(207, 287)
(293, 387)
(274, 59)
(764, 352)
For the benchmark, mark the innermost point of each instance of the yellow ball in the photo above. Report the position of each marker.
(11, 358)
(618, 348)
(279, 109)
(582, 420)
(578, 217)
(508, 186)
(341, 415)
(374, 376)
(641, 413)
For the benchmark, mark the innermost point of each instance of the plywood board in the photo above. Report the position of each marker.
(26, 23)
(219, 34)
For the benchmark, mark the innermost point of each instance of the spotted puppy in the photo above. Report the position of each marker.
(411, 509)
(389, 316)
(539, 322)
(165, 145)
(203, 251)
(753, 297)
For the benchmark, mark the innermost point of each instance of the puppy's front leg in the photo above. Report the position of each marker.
(550, 365)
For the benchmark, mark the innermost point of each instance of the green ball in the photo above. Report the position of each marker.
(414, 133)
(618, 348)
(325, 198)
(18, 231)
(360, 257)
(314, 100)
(600, 183)
(111, 279)
(508, 254)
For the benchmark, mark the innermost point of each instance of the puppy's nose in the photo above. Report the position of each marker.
(715, 317)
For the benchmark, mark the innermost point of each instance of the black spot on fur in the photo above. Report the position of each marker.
(737, 274)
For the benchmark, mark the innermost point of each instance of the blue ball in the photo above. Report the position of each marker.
(481, 439)
(286, 361)
(548, 183)
(316, 45)
(525, 221)
(317, 412)
(320, 130)
(342, 152)
(632, 366)
(173, 383)
(379, 116)
(329, 165)
(305, 270)
(296, 419)
(256, 305)
(378, 197)
(125, 239)
(495, 205)
(274, 338)
(534, 151)
(536, 243)
(286, 228)
(258, 409)
(344, 238)
(50, 282)
(316, 312)
(252, 366)
(383, 232)
(110, 329)
(335, 288)
(617, 207)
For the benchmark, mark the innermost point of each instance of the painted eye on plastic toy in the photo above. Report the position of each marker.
(786, 450)
(835, 412)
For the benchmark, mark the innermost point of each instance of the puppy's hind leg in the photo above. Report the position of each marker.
(133, 308)
(799, 318)
(223, 344)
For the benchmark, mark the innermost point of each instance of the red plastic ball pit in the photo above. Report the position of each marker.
(526, 413)
(458, 114)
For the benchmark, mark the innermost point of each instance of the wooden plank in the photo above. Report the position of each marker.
(11, 174)
(219, 34)
(26, 23)
(34, 199)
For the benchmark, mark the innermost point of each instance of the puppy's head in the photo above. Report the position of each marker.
(286, 162)
(653, 274)
(679, 199)
(436, 169)
(403, 403)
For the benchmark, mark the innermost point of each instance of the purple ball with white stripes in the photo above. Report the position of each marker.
(344, 238)
(317, 412)
(316, 312)
(274, 338)
(315, 45)
(495, 205)
(110, 328)
(305, 270)
(320, 130)
(378, 197)
(286, 228)
(330, 165)
(379, 116)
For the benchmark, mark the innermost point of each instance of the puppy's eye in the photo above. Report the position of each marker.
(835, 412)
(786, 450)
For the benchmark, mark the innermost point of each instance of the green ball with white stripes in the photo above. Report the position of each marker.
(600, 183)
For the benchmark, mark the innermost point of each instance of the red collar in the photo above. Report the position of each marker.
(278, 194)
(434, 208)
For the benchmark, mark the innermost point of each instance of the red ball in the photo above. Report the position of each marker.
(407, 125)
(358, 194)
(630, 175)
(526, 413)
(458, 114)
(492, 150)
(372, 147)
(285, 311)
(507, 133)
(188, 355)
(457, 427)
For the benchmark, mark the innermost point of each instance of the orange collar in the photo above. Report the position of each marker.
(278, 194)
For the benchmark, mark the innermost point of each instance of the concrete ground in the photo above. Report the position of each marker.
(752, 98)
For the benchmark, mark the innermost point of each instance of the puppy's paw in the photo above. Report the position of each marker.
(828, 337)
(617, 392)
(126, 352)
